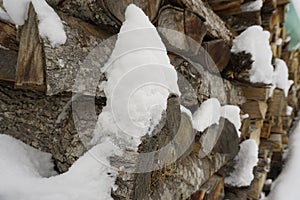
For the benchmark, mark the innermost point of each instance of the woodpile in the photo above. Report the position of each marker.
(36, 83)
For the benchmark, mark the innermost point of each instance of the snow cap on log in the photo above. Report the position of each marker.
(255, 40)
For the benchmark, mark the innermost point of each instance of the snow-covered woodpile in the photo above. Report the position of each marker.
(237, 111)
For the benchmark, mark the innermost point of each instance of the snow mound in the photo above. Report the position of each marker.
(255, 40)
(50, 25)
(207, 114)
(281, 77)
(139, 81)
(252, 6)
(210, 112)
(24, 171)
(246, 160)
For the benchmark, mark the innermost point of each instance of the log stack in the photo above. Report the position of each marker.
(36, 83)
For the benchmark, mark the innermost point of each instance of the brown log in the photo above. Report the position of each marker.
(53, 70)
(8, 64)
(216, 139)
(255, 109)
(8, 36)
(256, 93)
(213, 189)
(105, 12)
(30, 71)
(277, 104)
(216, 28)
(219, 52)
(117, 8)
(242, 20)
(190, 27)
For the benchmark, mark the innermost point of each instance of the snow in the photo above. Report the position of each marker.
(281, 77)
(279, 41)
(140, 79)
(289, 110)
(288, 38)
(207, 114)
(210, 112)
(50, 25)
(252, 6)
(245, 116)
(17, 10)
(246, 160)
(255, 40)
(232, 113)
(24, 171)
(4, 16)
(287, 184)
(297, 7)
(186, 111)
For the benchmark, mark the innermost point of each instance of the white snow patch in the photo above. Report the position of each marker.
(279, 41)
(139, 81)
(4, 16)
(281, 77)
(255, 40)
(245, 116)
(232, 113)
(289, 110)
(50, 25)
(210, 111)
(246, 160)
(207, 114)
(17, 10)
(24, 171)
(186, 111)
(252, 6)
(286, 186)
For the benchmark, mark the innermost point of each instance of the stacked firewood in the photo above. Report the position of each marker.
(43, 77)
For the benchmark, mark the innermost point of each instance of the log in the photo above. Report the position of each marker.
(241, 21)
(213, 189)
(256, 93)
(190, 27)
(216, 28)
(108, 13)
(219, 52)
(8, 36)
(239, 67)
(44, 122)
(8, 64)
(54, 70)
(220, 138)
(255, 109)
(277, 104)
(30, 71)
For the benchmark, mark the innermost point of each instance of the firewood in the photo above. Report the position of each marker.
(219, 52)
(190, 27)
(213, 189)
(256, 93)
(276, 141)
(277, 104)
(240, 22)
(53, 70)
(217, 139)
(30, 71)
(8, 64)
(255, 109)
(8, 36)
(108, 13)
(216, 28)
